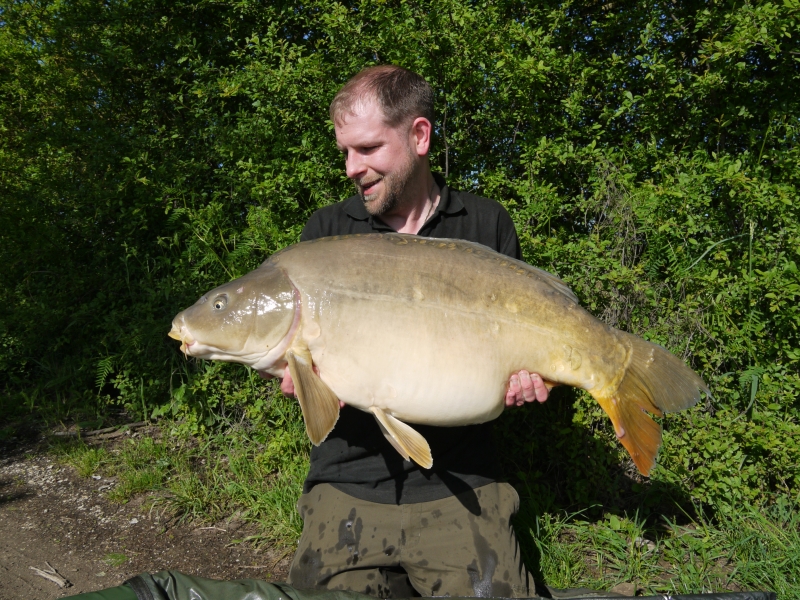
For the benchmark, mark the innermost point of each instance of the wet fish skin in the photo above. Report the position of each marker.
(425, 330)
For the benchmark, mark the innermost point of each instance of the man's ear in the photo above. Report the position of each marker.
(421, 131)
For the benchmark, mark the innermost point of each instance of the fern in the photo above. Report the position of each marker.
(105, 366)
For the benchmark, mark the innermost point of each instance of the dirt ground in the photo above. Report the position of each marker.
(48, 514)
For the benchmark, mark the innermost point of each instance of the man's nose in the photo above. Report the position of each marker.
(354, 165)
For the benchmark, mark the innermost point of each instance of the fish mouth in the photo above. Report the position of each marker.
(191, 347)
(179, 333)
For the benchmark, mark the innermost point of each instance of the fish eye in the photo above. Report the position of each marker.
(220, 302)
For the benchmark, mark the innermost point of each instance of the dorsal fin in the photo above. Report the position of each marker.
(554, 282)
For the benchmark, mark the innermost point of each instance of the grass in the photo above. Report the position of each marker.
(86, 460)
(256, 472)
(229, 473)
(746, 550)
(766, 548)
(115, 559)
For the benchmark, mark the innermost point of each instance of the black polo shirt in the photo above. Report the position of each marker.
(355, 458)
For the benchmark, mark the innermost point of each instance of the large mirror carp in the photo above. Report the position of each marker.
(428, 331)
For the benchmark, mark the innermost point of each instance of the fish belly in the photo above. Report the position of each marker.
(432, 337)
(433, 365)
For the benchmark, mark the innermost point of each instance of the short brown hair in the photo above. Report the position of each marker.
(401, 94)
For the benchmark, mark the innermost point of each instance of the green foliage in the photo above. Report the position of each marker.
(142, 466)
(255, 471)
(745, 550)
(85, 459)
(115, 559)
(648, 154)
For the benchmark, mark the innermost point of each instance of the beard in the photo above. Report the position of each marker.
(394, 189)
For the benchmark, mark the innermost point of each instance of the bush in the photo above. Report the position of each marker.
(648, 155)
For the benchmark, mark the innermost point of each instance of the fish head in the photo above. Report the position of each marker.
(249, 320)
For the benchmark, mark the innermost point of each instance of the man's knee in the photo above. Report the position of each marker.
(468, 550)
(306, 569)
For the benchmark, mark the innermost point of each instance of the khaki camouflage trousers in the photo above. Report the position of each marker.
(459, 546)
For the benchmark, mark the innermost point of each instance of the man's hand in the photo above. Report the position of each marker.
(525, 387)
(287, 385)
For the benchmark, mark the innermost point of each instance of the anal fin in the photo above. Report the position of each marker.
(319, 404)
(406, 440)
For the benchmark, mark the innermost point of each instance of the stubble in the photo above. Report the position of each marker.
(394, 189)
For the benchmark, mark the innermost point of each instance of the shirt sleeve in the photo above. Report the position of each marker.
(313, 229)
(507, 240)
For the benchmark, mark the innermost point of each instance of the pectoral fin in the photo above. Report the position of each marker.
(408, 442)
(319, 404)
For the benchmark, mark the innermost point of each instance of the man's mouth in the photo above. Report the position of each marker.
(369, 187)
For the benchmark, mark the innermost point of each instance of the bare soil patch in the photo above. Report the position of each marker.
(48, 514)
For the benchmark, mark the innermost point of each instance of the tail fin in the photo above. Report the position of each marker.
(654, 381)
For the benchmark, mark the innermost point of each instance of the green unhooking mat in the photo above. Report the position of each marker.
(171, 585)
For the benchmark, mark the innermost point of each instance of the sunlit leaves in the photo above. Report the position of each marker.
(648, 154)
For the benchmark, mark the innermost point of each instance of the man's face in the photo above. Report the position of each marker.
(381, 160)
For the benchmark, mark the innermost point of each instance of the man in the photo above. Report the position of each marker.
(374, 523)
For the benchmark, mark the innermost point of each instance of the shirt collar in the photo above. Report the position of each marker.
(448, 204)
